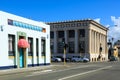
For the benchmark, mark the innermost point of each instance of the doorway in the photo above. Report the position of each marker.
(22, 46)
(21, 58)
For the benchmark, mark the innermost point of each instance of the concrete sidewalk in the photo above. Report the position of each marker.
(22, 70)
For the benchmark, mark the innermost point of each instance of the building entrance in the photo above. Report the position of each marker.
(21, 58)
(22, 45)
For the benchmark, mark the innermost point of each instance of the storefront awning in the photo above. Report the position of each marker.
(22, 43)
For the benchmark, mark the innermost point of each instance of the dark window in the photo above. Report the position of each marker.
(10, 22)
(71, 33)
(60, 47)
(43, 47)
(11, 45)
(71, 47)
(52, 47)
(30, 49)
(82, 32)
(82, 47)
(37, 47)
(60, 34)
(51, 34)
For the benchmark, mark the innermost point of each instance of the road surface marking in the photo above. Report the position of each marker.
(68, 77)
(46, 70)
(53, 71)
(40, 72)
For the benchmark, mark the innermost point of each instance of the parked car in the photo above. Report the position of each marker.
(85, 59)
(56, 59)
(113, 58)
(66, 59)
(77, 59)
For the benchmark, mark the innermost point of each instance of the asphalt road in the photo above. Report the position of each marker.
(72, 71)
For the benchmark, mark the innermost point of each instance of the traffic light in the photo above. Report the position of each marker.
(64, 44)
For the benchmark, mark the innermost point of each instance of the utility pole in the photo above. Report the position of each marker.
(65, 47)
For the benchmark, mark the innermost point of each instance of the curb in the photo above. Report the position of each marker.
(22, 70)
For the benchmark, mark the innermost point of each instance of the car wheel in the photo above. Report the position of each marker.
(84, 61)
(56, 60)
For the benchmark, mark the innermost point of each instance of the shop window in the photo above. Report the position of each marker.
(43, 43)
(11, 45)
(37, 47)
(30, 49)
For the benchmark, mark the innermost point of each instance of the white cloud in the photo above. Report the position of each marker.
(97, 20)
(116, 20)
(114, 31)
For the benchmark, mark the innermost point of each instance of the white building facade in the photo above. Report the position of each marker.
(84, 38)
(24, 42)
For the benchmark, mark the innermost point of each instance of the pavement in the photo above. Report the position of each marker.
(32, 69)
(22, 70)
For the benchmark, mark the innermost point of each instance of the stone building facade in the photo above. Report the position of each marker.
(85, 38)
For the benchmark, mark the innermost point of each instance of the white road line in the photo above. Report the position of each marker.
(44, 71)
(40, 72)
(53, 71)
(84, 73)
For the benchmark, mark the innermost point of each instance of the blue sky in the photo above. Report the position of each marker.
(60, 10)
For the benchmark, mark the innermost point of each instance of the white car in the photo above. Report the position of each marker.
(56, 59)
(85, 59)
(77, 59)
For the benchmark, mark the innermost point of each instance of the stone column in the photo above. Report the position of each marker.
(55, 42)
(76, 41)
(91, 41)
(103, 45)
(95, 43)
(106, 49)
(66, 38)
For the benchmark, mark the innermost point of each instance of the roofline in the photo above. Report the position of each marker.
(89, 20)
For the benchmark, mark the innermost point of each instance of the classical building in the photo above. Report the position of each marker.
(84, 38)
(24, 42)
